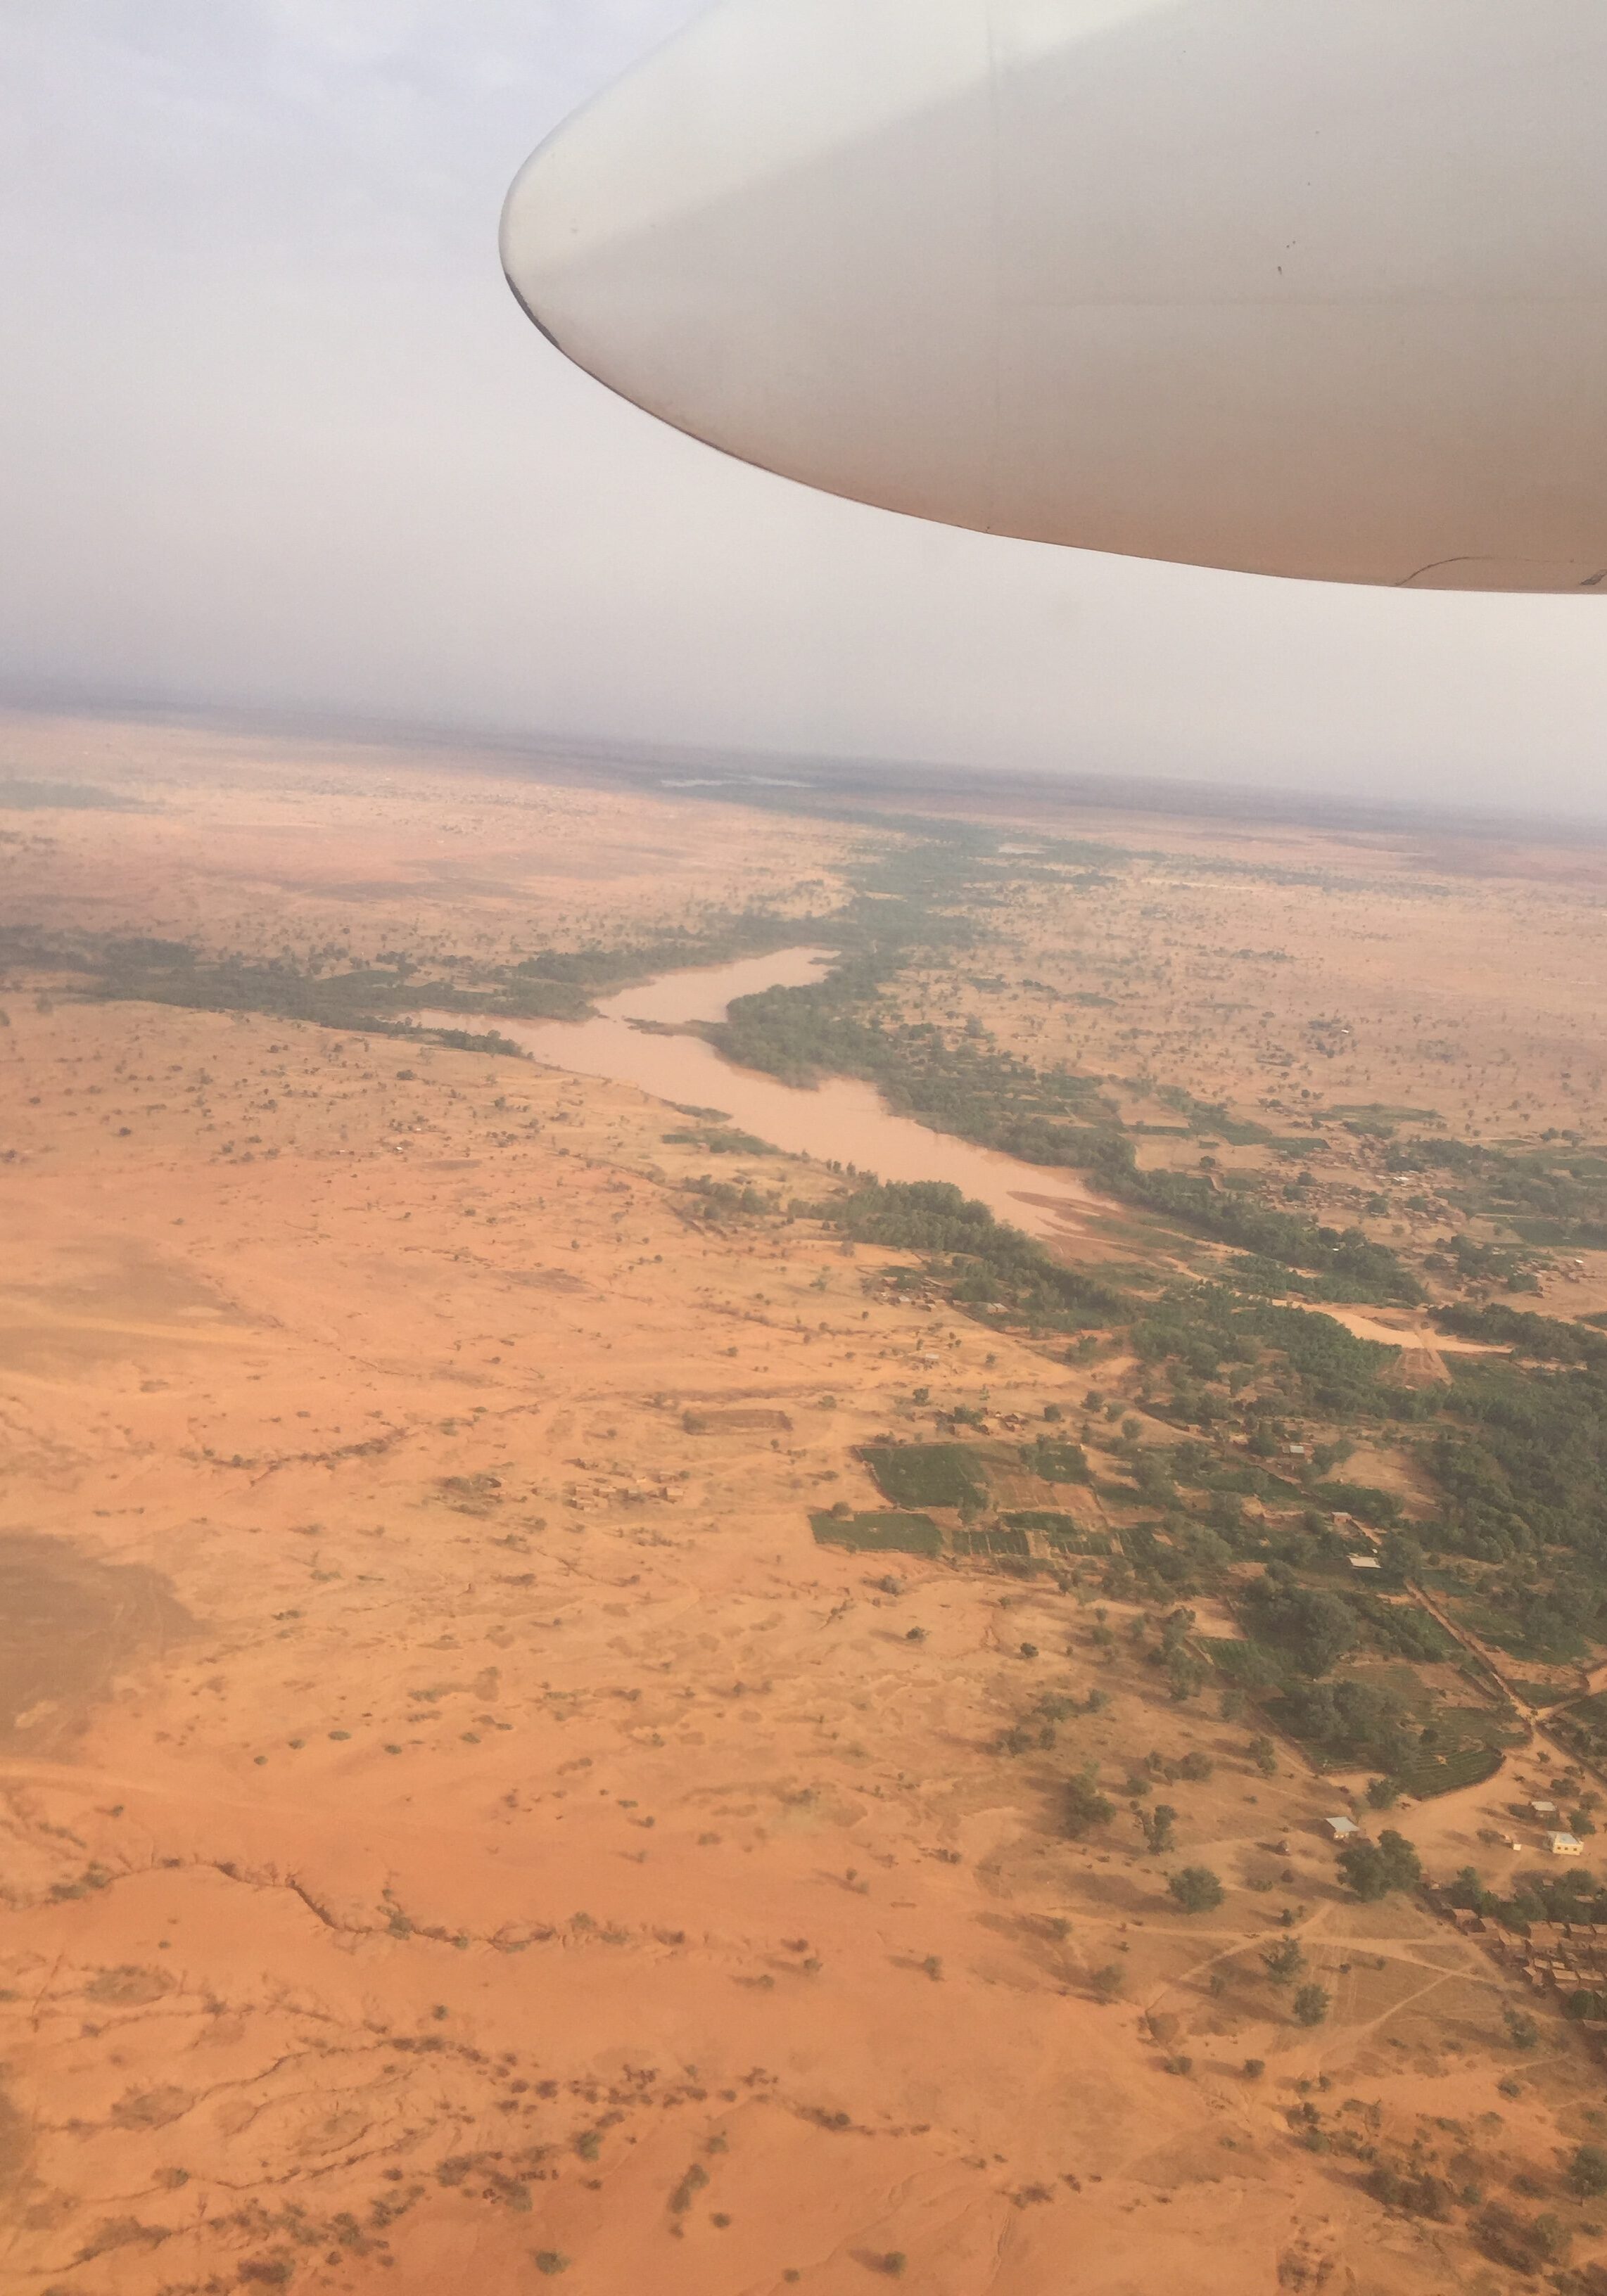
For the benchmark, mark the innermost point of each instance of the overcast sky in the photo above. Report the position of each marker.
(272, 431)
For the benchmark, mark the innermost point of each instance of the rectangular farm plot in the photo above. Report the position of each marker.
(1053, 1459)
(1063, 1533)
(885, 1531)
(927, 1474)
(1026, 1518)
(1002, 1541)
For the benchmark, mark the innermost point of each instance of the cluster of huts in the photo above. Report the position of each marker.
(1567, 1956)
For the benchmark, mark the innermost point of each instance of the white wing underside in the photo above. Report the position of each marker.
(1303, 287)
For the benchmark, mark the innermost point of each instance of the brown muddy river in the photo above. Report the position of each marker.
(841, 1118)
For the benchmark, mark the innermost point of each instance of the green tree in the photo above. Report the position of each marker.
(1351, 1720)
(1174, 1632)
(1314, 1626)
(1285, 1961)
(1311, 2006)
(1160, 1825)
(1086, 1807)
(1588, 2172)
(1187, 1677)
(1401, 1861)
(1372, 1869)
(1196, 1889)
(1467, 1890)
(1400, 1554)
(1550, 2238)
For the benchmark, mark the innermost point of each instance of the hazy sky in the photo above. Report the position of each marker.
(272, 431)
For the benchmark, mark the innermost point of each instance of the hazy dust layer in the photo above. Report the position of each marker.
(268, 848)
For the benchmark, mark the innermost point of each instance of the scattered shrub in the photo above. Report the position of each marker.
(1415, 2195)
(1084, 1806)
(1311, 2006)
(1196, 1889)
(1522, 2030)
(1588, 2172)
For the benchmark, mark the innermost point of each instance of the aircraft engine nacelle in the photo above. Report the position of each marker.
(1307, 287)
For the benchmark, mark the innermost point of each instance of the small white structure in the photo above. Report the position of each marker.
(1564, 1845)
(1365, 1563)
(1543, 1809)
(1343, 1829)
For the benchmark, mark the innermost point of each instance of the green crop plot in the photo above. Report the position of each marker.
(886, 1531)
(1055, 1461)
(991, 1542)
(1061, 1530)
(1438, 1773)
(927, 1474)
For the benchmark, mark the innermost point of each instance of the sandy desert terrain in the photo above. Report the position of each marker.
(402, 1460)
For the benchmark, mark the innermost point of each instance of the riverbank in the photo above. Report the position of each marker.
(841, 1122)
